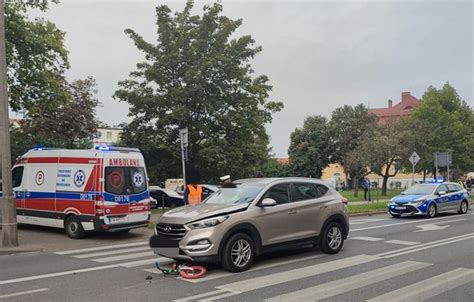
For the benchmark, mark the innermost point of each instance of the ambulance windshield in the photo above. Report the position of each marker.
(125, 180)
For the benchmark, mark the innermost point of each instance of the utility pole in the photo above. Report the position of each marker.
(9, 227)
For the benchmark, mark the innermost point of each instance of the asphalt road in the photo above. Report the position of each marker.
(385, 259)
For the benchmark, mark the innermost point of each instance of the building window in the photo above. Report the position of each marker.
(109, 135)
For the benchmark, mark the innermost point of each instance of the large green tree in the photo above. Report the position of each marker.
(447, 123)
(351, 127)
(71, 125)
(36, 59)
(311, 147)
(198, 76)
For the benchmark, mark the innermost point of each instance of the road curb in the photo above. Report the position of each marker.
(367, 213)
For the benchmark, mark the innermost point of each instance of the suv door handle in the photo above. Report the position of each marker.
(292, 212)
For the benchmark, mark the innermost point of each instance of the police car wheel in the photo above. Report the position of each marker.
(74, 228)
(432, 211)
(463, 208)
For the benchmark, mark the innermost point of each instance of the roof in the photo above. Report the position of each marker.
(271, 180)
(403, 108)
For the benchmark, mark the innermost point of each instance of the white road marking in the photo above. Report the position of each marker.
(337, 287)
(363, 238)
(275, 263)
(429, 288)
(407, 222)
(120, 251)
(227, 294)
(145, 262)
(123, 257)
(190, 298)
(430, 247)
(27, 292)
(424, 246)
(71, 272)
(100, 248)
(402, 242)
(291, 275)
(430, 227)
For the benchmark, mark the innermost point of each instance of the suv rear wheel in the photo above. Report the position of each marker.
(332, 238)
(238, 253)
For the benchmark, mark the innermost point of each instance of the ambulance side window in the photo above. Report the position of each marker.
(17, 176)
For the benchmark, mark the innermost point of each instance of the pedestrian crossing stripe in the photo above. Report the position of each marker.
(337, 287)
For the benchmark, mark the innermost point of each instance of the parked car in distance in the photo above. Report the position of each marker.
(172, 199)
(429, 199)
(253, 216)
(165, 197)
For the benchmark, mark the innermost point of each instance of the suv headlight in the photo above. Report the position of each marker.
(207, 223)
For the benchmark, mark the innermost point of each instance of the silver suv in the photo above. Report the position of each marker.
(251, 216)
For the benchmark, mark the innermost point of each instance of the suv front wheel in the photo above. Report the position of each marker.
(332, 238)
(238, 253)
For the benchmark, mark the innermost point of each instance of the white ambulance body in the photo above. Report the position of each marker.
(102, 189)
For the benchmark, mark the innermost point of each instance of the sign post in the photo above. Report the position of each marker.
(183, 137)
(414, 159)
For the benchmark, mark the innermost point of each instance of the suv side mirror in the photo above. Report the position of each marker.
(441, 193)
(268, 202)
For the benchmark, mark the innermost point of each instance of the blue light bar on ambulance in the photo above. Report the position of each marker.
(38, 147)
(102, 148)
(113, 148)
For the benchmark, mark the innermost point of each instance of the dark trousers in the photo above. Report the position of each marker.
(365, 193)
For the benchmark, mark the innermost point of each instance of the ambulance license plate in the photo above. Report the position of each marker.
(117, 219)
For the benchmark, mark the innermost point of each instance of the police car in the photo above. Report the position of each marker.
(429, 199)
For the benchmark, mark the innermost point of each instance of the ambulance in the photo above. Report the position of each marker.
(101, 189)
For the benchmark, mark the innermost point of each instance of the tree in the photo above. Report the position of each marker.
(72, 125)
(350, 127)
(450, 124)
(311, 147)
(384, 149)
(273, 168)
(36, 59)
(198, 77)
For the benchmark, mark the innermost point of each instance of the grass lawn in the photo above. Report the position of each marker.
(367, 207)
(375, 195)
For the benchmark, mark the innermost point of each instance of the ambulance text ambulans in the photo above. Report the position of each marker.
(101, 189)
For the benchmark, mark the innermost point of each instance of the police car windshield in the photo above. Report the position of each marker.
(235, 194)
(420, 189)
(125, 180)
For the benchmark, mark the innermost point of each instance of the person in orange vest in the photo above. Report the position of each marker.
(193, 194)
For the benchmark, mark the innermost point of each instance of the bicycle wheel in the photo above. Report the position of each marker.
(192, 272)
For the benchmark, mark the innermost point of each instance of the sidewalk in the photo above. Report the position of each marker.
(44, 239)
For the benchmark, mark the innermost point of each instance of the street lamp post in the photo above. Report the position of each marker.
(9, 227)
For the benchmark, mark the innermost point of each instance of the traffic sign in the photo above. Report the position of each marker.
(414, 158)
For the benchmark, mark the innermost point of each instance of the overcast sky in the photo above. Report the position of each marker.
(319, 55)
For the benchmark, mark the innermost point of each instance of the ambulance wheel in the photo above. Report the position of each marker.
(74, 227)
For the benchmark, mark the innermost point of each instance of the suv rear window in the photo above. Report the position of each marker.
(305, 191)
(125, 180)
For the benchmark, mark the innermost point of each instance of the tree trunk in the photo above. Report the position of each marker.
(384, 185)
(355, 186)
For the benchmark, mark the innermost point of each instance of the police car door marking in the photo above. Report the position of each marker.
(79, 178)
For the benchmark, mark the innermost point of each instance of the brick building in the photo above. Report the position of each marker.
(394, 113)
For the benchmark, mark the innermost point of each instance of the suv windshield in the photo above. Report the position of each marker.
(125, 180)
(238, 193)
(419, 190)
